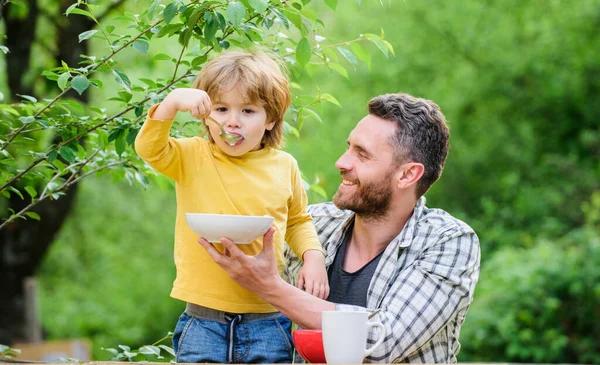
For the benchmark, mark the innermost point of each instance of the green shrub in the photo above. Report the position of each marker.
(539, 304)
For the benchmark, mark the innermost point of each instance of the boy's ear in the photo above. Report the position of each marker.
(270, 126)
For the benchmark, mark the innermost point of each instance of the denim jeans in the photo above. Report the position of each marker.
(266, 341)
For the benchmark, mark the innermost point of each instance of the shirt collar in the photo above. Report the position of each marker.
(402, 240)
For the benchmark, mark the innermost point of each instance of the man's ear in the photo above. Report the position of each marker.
(409, 174)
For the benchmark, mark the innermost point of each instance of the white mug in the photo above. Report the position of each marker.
(345, 336)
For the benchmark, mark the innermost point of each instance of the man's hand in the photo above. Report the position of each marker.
(255, 273)
(313, 276)
(195, 101)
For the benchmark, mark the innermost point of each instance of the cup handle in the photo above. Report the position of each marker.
(380, 338)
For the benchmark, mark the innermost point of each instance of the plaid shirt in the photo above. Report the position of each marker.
(423, 283)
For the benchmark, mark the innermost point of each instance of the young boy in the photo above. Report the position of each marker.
(248, 94)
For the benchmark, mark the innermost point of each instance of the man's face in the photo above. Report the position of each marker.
(367, 168)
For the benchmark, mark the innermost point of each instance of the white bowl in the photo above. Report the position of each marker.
(241, 229)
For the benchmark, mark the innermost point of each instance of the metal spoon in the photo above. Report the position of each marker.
(227, 137)
(372, 314)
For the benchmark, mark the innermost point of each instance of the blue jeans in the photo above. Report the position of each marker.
(266, 341)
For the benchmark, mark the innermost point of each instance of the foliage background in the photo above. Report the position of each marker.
(519, 84)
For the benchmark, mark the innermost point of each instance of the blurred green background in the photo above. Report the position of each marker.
(519, 82)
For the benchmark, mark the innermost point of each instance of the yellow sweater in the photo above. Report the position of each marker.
(263, 182)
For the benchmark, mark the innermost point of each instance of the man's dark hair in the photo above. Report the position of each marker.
(421, 134)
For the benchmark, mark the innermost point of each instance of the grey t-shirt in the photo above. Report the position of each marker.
(346, 287)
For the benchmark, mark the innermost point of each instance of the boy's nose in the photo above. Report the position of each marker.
(233, 121)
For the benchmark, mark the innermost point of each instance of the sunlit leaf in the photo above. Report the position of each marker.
(339, 69)
(141, 45)
(33, 215)
(348, 55)
(303, 52)
(63, 79)
(330, 98)
(170, 12)
(67, 153)
(332, 4)
(259, 5)
(28, 98)
(236, 12)
(31, 191)
(87, 35)
(122, 79)
(80, 83)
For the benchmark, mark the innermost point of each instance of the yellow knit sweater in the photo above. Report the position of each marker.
(263, 182)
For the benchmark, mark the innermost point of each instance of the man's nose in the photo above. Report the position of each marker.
(344, 162)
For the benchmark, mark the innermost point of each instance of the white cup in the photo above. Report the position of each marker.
(345, 336)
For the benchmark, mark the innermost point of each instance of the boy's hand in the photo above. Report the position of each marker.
(195, 101)
(313, 276)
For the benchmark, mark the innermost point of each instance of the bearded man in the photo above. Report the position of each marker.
(384, 249)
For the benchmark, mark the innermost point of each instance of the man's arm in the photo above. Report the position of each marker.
(426, 297)
(259, 275)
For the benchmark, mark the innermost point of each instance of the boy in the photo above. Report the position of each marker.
(248, 94)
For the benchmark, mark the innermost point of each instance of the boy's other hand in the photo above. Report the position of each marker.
(195, 101)
(312, 278)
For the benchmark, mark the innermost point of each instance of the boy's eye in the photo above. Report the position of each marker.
(221, 109)
(248, 111)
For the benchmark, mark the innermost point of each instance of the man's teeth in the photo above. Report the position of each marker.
(346, 182)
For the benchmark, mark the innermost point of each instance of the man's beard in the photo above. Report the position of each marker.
(371, 200)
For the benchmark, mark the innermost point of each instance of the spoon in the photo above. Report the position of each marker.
(230, 138)
(372, 314)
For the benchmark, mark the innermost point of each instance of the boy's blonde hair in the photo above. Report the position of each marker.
(260, 78)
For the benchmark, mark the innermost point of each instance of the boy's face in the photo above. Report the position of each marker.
(240, 117)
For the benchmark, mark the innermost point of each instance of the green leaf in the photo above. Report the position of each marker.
(87, 35)
(313, 114)
(170, 12)
(80, 83)
(382, 46)
(14, 190)
(331, 3)
(122, 79)
(259, 5)
(70, 9)
(339, 69)
(31, 191)
(153, 8)
(167, 349)
(348, 55)
(82, 12)
(52, 156)
(28, 98)
(280, 16)
(121, 142)
(63, 79)
(236, 12)
(161, 57)
(4, 49)
(33, 215)
(329, 98)
(303, 52)
(141, 45)
(67, 154)
(131, 136)
(210, 27)
(361, 53)
(139, 110)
